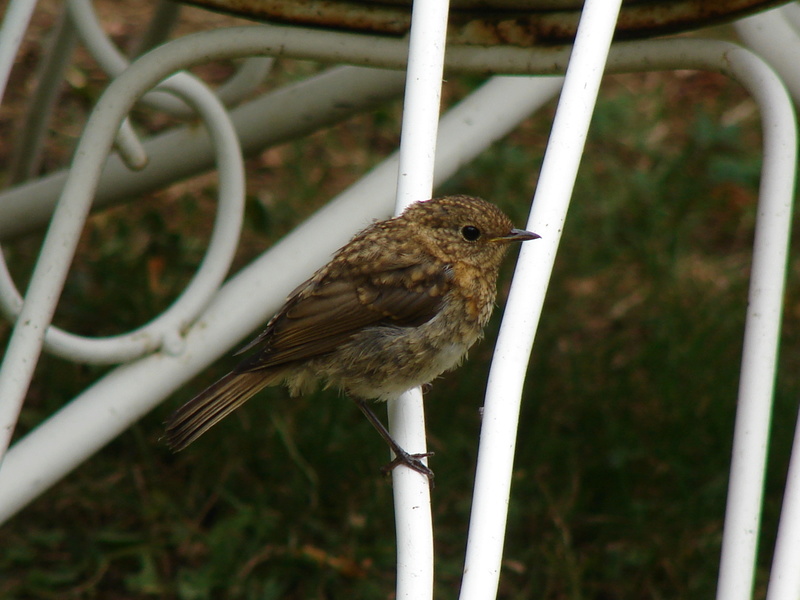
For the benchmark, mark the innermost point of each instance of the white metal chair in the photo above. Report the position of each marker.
(172, 348)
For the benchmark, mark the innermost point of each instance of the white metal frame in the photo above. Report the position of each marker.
(163, 354)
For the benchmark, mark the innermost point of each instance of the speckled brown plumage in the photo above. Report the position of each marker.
(398, 305)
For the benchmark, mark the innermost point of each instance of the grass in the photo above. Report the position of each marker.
(624, 445)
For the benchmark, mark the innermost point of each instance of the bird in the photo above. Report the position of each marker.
(398, 305)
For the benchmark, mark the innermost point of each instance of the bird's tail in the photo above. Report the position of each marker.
(212, 405)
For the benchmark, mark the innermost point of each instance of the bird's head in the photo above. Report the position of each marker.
(465, 228)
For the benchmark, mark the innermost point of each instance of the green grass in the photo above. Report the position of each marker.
(624, 444)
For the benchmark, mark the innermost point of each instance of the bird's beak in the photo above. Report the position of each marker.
(518, 235)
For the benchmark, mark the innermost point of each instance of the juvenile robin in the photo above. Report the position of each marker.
(398, 305)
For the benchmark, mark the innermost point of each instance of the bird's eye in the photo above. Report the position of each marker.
(470, 233)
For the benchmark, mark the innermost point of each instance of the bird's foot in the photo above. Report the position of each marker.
(412, 461)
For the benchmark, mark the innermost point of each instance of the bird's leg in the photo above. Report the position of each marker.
(401, 457)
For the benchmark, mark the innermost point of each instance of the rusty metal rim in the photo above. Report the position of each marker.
(495, 22)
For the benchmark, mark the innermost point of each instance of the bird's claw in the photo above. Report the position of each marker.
(412, 461)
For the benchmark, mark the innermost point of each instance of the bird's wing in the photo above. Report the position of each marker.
(325, 314)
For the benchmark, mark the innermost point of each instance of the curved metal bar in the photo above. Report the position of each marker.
(166, 327)
(791, 12)
(245, 80)
(763, 321)
(762, 328)
(773, 37)
(62, 238)
(129, 147)
(91, 32)
(510, 362)
(114, 62)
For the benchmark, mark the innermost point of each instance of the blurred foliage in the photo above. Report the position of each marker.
(624, 445)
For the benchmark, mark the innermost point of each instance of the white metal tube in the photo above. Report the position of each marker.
(769, 34)
(110, 58)
(774, 35)
(784, 578)
(212, 270)
(412, 500)
(762, 327)
(129, 147)
(422, 101)
(526, 297)
(791, 12)
(765, 296)
(15, 23)
(90, 421)
(30, 139)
